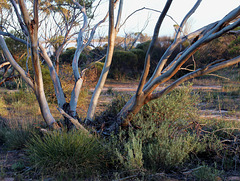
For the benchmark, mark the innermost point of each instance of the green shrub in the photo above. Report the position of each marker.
(94, 72)
(68, 54)
(164, 139)
(124, 65)
(67, 155)
(143, 46)
(128, 152)
(206, 173)
(114, 108)
(180, 104)
(141, 58)
(169, 147)
(2, 135)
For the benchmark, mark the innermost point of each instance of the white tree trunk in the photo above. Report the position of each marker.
(32, 26)
(112, 32)
(55, 79)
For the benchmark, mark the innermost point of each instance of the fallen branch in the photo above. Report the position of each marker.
(4, 64)
(74, 121)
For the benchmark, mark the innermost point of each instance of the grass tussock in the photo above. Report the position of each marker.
(72, 154)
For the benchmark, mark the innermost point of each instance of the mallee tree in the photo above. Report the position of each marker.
(30, 22)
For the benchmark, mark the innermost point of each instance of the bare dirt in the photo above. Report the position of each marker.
(131, 87)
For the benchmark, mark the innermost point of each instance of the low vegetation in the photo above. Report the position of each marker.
(167, 137)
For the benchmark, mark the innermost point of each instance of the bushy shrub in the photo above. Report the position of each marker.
(124, 64)
(94, 72)
(163, 139)
(170, 146)
(233, 48)
(114, 108)
(2, 135)
(67, 155)
(180, 104)
(207, 173)
(128, 152)
(68, 54)
(143, 46)
(141, 58)
(97, 53)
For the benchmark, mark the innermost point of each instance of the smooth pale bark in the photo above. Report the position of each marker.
(23, 27)
(139, 99)
(4, 64)
(174, 45)
(80, 46)
(150, 49)
(40, 97)
(78, 78)
(106, 67)
(10, 58)
(200, 72)
(55, 79)
(32, 26)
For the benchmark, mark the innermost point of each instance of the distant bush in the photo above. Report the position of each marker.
(141, 58)
(97, 53)
(68, 54)
(124, 64)
(94, 72)
(143, 46)
(220, 48)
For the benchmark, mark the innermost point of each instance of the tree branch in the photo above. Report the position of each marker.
(213, 33)
(74, 121)
(174, 45)
(214, 66)
(14, 63)
(150, 49)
